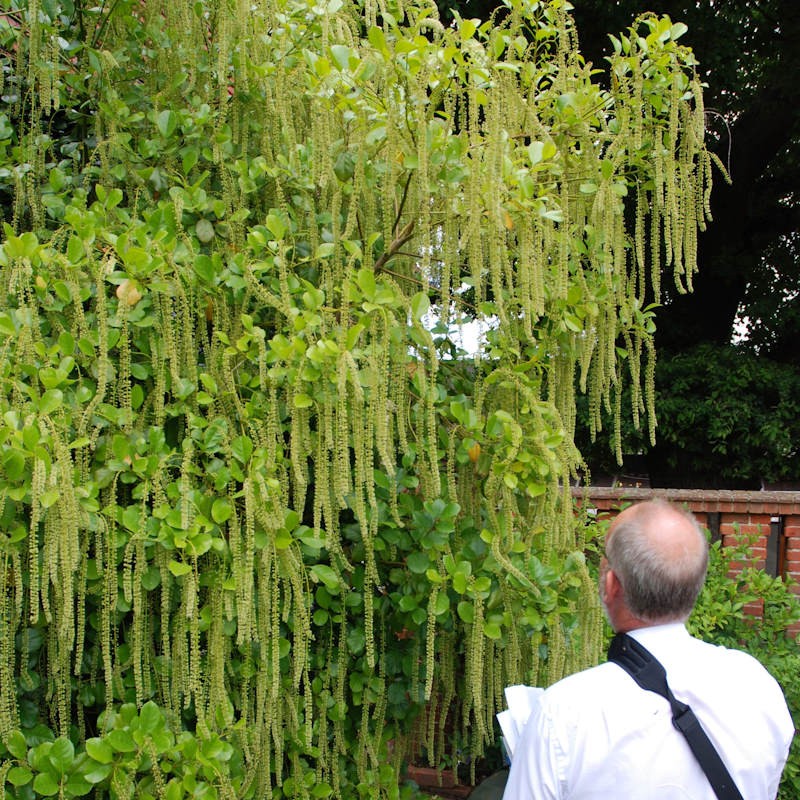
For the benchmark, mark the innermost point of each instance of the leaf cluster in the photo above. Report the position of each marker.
(726, 418)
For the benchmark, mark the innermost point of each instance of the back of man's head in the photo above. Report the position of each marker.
(660, 556)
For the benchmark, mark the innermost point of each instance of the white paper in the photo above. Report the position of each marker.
(521, 701)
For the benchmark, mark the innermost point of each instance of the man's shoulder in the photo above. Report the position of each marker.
(596, 684)
(591, 683)
(729, 656)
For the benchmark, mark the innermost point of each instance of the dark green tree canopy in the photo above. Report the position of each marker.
(749, 54)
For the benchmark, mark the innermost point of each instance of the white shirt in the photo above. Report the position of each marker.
(597, 735)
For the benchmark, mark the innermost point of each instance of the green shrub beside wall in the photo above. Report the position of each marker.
(263, 524)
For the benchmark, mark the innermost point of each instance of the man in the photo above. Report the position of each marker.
(597, 735)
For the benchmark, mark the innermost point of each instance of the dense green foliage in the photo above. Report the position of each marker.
(727, 419)
(734, 581)
(749, 286)
(749, 54)
(261, 532)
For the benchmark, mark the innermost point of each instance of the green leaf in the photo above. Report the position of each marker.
(433, 576)
(179, 568)
(77, 786)
(16, 745)
(341, 55)
(150, 718)
(366, 282)
(205, 230)
(99, 750)
(466, 611)
(50, 401)
(276, 226)
(345, 166)
(420, 305)
(14, 464)
(19, 776)
(62, 754)
(45, 784)
(677, 30)
(7, 325)
(75, 251)
(49, 497)
(536, 152)
(242, 449)
(377, 39)
(492, 630)
(320, 616)
(96, 773)
(204, 267)
(322, 572)
(166, 122)
(302, 400)
(221, 510)
(418, 562)
(460, 582)
(121, 740)
(321, 790)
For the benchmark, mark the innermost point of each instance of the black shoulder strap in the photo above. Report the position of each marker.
(640, 664)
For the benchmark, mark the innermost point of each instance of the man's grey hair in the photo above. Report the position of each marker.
(656, 588)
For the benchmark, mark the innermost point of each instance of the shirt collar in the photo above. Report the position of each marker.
(660, 637)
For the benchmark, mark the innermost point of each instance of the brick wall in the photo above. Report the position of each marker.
(773, 518)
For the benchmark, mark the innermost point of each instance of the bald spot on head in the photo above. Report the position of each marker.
(669, 530)
(659, 554)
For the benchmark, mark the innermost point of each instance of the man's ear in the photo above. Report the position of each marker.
(613, 588)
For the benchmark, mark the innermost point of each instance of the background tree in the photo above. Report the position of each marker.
(260, 529)
(747, 52)
(747, 284)
(748, 255)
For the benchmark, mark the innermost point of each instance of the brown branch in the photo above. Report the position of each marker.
(405, 234)
(402, 203)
